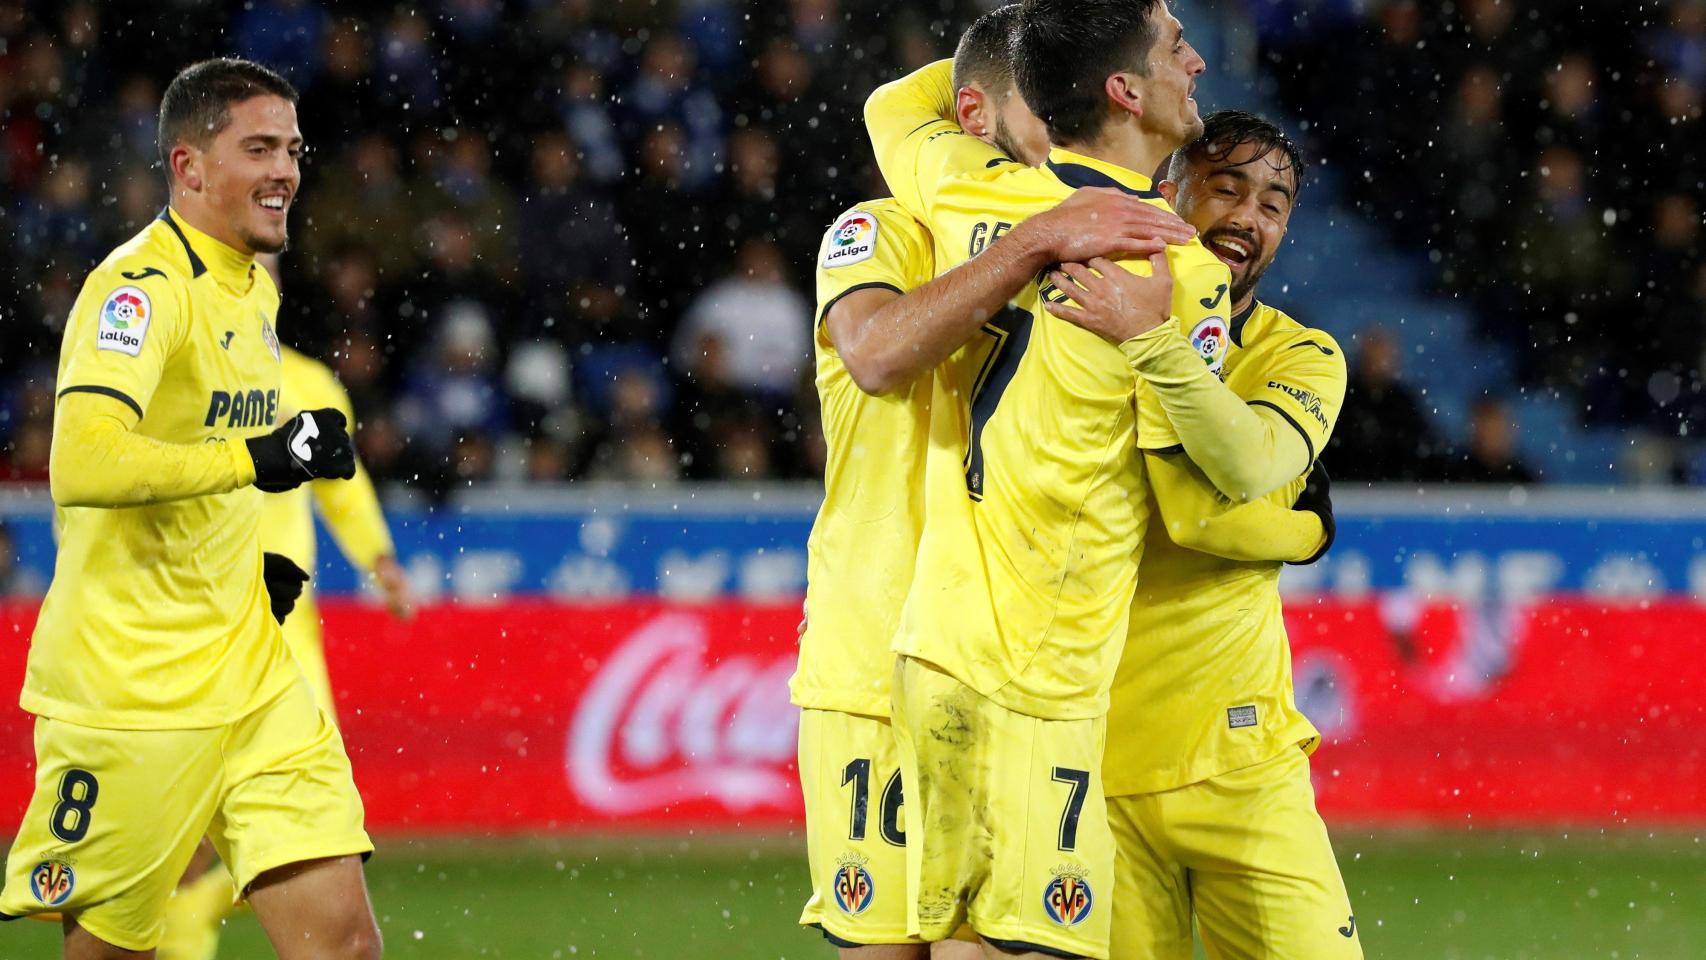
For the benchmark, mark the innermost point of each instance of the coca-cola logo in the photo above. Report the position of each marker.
(660, 725)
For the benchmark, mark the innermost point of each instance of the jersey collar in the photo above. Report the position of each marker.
(1077, 170)
(207, 255)
(1237, 328)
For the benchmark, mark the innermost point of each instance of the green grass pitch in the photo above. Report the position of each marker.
(1425, 895)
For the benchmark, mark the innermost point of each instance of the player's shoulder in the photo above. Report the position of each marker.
(864, 228)
(153, 258)
(1277, 332)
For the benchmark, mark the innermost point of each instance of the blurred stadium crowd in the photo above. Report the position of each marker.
(573, 240)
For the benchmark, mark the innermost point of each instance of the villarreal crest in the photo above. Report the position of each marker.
(1067, 898)
(853, 887)
(52, 882)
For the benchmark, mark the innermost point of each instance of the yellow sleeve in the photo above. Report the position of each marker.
(117, 341)
(1201, 305)
(350, 507)
(917, 142)
(99, 460)
(1246, 451)
(1306, 386)
(872, 245)
(1199, 518)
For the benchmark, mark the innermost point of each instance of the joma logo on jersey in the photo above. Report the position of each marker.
(241, 408)
(1306, 399)
(1067, 898)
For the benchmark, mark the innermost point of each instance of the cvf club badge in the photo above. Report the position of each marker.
(852, 885)
(1067, 899)
(52, 881)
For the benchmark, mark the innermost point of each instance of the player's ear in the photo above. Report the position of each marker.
(968, 110)
(186, 166)
(1170, 192)
(1125, 91)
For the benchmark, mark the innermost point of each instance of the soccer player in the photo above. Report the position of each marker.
(352, 513)
(167, 705)
(876, 345)
(1207, 768)
(1035, 494)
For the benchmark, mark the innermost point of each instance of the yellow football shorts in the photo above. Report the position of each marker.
(117, 813)
(1247, 853)
(1006, 825)
(855, 838)
(302, 637)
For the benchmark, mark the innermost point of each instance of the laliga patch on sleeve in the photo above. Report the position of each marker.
(852, 239)
(124, 320)
(1210, 339)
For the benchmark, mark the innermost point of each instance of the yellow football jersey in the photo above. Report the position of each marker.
(1204, 685)
(859, 558)
(157, 617)
(351, 507)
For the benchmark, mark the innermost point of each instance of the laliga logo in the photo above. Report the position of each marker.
(1210, 340)
(659, 726)
(123, 308)
(851, 231)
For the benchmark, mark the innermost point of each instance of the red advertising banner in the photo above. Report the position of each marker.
(539, 715)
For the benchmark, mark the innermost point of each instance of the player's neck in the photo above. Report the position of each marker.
(188, 208)
(1244, 304)
(1127, 145)
(228, 262)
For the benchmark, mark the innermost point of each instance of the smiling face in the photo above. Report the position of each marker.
(244, 180)
(1240, 202)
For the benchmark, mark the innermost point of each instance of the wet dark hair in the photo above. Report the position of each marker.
(197, 103)
(985, 53)
(1065, 50)
(1224, 131)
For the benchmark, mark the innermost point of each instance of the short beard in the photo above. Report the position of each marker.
(1003, 137)
(1243, 287)
(262, 245)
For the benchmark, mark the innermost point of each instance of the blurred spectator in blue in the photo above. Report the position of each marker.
(463, 183)
(409, 65)
(714, 29)
(135, 135)
(574, 249)
(284, 35)
(1680, 45)
(55, 223)
(452, 408)
(585, 109)
(666, 90)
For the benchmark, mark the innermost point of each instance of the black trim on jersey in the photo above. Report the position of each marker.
(1021, 946)
(1237, 332)
(1301, 432)
(1169, 451)
(105, 392)
(998, 161)
(923, 125)
(9, 917)
(873, 285)
(1078, 175)
(197, 268)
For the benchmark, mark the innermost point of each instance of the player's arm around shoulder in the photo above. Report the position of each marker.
(916, 139)
(1199, 517)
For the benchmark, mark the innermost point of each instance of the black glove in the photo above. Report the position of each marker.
(284, 580)
(312, 445)
(1316, 498)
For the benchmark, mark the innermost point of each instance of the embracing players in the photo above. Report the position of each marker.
(167, 704)
(1207, 769)
(877, 344)
(1036, 492)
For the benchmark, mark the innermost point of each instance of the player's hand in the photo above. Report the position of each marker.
(313, 445)
(284, 580)
(1112, 301)
(1317, 498)
(394, 587)
(1104, 222)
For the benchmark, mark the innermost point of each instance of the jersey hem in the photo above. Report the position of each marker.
(1288, 737)
(99, 719)
(816, 698)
